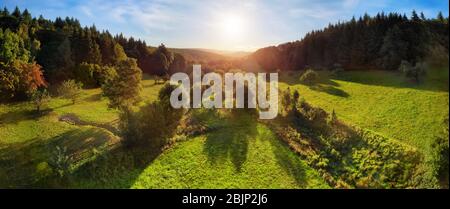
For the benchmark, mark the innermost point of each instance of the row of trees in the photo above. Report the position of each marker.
(382, 42)
(35, 52)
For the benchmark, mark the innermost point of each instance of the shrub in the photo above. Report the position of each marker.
(61, 161)
(40, 98)
(337, 69)
(309, 77)
(413, 72)
(43, 170)
(440, 157)
(70, 89)
(154, 124)
(286, 100)
(309, 116)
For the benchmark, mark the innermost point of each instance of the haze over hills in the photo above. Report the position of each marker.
(207, 55)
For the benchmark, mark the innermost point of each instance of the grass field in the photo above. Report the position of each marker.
(384, 102)
(242, 154)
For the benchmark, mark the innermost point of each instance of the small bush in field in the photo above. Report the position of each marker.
(337, 69)
(61, 161)
(309, 77)
(154, 124)
(70, 89)
(40, 98)
(413, 72)
(43, 170)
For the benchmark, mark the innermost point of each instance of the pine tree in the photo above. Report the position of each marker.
(393, 49)
(440, 17)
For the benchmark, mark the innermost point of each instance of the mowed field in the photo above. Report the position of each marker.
(241, 154)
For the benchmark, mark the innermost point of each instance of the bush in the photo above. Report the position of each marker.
(314, 117)
(70, 89)
(286, 100)
(61, 161)
(413, 72)
(440, 157)
(40, 98)
(309, 77)
(153, 125)
(43, 170)
(337, 69)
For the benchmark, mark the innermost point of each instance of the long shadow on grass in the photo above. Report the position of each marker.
(93, 98)
(290, 162)
(329, 90)
(15, 116)
(436, 80)
(26, 164)
(231, 142)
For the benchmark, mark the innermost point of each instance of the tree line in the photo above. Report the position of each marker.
(36, 52)
(382, 42)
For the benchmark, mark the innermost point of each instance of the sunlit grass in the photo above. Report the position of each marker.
(18, 122)
(244, 154)
(382, 101)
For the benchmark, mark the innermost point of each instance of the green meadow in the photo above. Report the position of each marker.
(242, 153)
(384, 102)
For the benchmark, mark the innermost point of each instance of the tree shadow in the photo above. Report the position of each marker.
(14, 117)
(118, 168)
(19, 162)
(435, 80)
(93, 98)
(231, 142)
(290, 162)
(329, 90)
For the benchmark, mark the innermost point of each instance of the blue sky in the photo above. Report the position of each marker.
(218, 24)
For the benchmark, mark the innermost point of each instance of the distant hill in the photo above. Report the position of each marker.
(208, 55)
(234, 54)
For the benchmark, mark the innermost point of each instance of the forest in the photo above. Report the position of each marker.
(378, 42)
(37, 52)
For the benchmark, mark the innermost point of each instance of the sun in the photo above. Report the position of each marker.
(232, 26)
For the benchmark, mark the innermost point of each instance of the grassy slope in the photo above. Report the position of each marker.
(27, 139)
(244, 154)
(18, 125)
(384, 102)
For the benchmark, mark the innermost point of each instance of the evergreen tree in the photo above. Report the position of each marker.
(393, 49)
